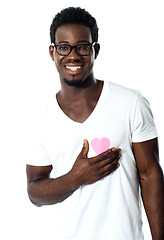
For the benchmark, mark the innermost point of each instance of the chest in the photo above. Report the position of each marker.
(64, 137)
(79, 111)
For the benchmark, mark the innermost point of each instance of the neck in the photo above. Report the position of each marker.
(83, 91)
(79, 102)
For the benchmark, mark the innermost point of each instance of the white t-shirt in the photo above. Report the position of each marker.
(110, 208)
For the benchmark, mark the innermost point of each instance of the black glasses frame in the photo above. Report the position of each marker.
(72, 47)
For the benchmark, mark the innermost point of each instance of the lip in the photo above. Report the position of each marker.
(75, 68)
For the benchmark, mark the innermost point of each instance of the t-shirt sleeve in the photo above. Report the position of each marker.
(143, 126)
(37, 155)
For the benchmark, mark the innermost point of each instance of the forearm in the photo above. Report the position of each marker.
(50, 191)
(152, 190)
(44, 190)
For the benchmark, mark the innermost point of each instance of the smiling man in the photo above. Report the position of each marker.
(73, 71)
(96, 187)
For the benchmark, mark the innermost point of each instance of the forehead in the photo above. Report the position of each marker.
(73, 33)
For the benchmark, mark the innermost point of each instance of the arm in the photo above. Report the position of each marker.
(44, 190)
(152, 185)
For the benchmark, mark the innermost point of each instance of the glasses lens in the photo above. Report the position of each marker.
(83, 49)
(63, 49)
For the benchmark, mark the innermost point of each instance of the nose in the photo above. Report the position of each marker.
(73, 54)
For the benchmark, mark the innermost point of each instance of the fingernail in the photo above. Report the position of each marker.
(110, 151)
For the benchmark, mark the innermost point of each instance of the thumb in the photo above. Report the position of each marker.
(85, 149)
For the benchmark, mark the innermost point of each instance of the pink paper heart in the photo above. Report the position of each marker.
(100, 145)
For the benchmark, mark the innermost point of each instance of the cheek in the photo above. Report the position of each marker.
(91, 62)
(57, 61)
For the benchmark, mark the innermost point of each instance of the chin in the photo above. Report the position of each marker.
(74, 83)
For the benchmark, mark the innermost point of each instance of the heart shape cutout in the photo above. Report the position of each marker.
(100, 145)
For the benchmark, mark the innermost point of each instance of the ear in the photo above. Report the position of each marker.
(97, 49)
(51, 52)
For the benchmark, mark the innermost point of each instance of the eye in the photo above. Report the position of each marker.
(63, 47)
(83, 47)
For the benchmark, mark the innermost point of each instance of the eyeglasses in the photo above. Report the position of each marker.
(66, 49)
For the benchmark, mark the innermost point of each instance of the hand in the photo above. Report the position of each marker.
(89, 170)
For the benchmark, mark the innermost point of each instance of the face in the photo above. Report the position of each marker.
(74, 69)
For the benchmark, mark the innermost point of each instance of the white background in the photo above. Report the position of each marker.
(132, 54)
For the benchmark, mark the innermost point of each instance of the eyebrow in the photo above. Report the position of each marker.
(63, 42)
(80, 41)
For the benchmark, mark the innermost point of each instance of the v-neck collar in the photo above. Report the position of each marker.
(93, 113)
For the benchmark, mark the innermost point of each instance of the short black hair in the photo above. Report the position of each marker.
(74, 15)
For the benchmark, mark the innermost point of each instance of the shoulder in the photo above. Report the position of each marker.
(46, 115)
(50, 110)
(120, 89)
(121, 93)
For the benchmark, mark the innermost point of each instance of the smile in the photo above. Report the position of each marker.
(73, 68)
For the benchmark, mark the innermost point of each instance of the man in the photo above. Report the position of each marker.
(95, 190)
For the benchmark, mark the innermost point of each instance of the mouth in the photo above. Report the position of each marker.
(74, 69)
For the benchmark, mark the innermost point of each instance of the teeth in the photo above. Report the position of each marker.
(73, 68)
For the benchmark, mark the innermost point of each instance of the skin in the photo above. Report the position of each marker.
(78, 102)
(152, 185)
(44, 190)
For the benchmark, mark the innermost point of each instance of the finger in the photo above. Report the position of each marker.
(85, 149)
(112, 165)
(111, 153)
(102, 156)
(110, 169)
(113, 158)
